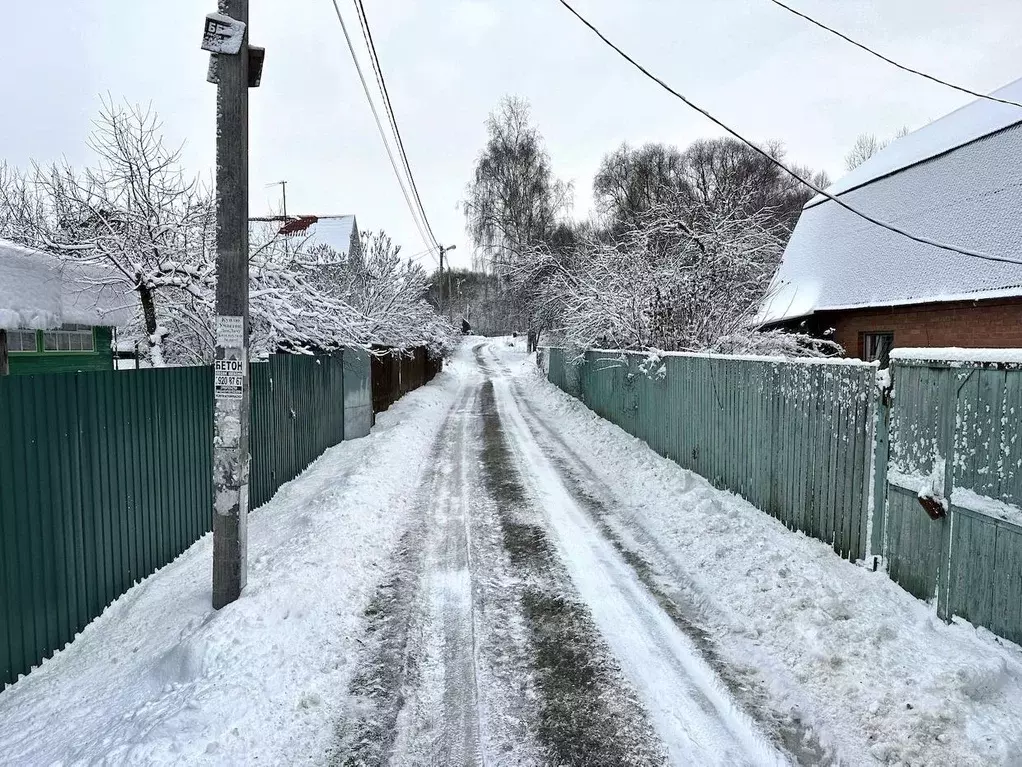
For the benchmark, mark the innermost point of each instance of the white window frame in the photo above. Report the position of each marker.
(20, 332)
(71, 335)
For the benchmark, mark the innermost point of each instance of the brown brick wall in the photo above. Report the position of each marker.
(995, 324)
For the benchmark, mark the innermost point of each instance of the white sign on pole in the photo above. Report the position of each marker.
(229, 375)
(230, 331)
(222, 34)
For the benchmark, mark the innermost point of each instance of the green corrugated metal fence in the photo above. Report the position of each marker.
(106, 476)
(297, 413)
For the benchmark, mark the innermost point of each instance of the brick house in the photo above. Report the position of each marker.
(957, 181)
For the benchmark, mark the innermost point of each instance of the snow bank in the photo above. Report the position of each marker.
(39, 291)
(161, 678)
(872, 670)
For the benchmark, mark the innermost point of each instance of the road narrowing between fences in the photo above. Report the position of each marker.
(497, 576)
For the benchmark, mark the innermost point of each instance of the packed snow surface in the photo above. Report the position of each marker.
(743, 642)
(873, 671)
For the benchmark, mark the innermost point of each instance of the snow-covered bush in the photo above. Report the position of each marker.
(662, 281)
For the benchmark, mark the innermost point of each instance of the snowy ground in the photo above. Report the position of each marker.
(497, 576)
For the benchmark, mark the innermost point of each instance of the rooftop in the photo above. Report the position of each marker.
(954, 181)
(40, 291)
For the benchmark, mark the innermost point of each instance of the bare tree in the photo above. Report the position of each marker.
(514, 202)
(661, 283)
(709, 175)
(135, 211)
(631, 182)
(137, 214)
(867, 145)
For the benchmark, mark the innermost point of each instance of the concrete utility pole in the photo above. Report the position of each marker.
(440, 303)
(440, 284)
(226, 36)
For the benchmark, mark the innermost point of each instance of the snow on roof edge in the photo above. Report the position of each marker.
(968, 123)
(976, 295)
(40, 291)
(836, 361)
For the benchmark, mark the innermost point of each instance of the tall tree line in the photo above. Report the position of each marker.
(678, 254)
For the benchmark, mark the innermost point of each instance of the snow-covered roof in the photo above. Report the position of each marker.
(338, 232)
(955, 180)
(40, 291)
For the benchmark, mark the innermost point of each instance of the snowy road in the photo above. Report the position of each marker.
(497, 576)
(522, 635)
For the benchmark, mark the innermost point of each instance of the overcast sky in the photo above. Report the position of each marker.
(448, 62)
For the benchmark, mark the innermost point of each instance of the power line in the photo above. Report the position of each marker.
(382, 82)
(882, 57)
(422, 254)
(379, 126)
(778, 163)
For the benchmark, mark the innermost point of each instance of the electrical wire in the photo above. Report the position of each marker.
(423, 254)
(379, 125)
(882, 57)
(382, 82)
(779, 164)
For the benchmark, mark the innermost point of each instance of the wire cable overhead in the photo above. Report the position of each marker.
(899, 65)
(379, 125)
(865, 216)
(389, 106)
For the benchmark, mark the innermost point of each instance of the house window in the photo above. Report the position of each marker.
(877, 346)
(70, 338)
(21, 341)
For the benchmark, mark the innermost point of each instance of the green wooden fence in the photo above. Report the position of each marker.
(791, 437)
(106, 477)
(955, 432)
(796, 438)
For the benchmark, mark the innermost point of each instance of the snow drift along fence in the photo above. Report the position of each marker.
(106, 477)
(793, 438)
(796, 439)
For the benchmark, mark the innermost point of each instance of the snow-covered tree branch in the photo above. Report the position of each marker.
(136, 212)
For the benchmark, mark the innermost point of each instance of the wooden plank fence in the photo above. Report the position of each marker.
(819, 446)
